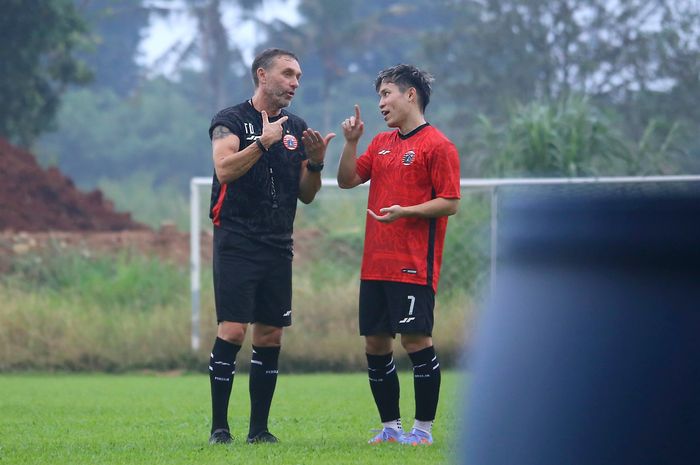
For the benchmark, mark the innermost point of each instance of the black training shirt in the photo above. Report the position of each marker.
(261, 204)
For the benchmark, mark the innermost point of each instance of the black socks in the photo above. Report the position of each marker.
(426, 382)
(384, 383)
(222, 367)
(263, 378)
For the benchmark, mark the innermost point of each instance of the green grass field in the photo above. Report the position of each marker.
(152, 419)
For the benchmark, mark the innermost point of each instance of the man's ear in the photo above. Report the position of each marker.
(261, 75)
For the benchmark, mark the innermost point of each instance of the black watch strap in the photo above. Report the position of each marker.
(260, 145)
(313, 167)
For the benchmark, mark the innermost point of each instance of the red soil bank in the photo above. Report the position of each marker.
(34, 199)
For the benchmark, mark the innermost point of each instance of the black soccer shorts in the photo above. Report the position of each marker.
(392, 307)
(252, 281)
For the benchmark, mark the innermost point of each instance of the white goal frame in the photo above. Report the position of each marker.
(489, 184)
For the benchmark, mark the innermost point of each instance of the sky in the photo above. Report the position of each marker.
(177, 30)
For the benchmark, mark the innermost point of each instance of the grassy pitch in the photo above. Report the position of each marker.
(159, 419)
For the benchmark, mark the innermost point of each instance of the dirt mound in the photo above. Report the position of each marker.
(33, 199)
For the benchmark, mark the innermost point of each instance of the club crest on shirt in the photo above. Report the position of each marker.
(290, 142)
(408, 157)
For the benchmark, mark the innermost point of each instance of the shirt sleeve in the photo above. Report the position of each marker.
(363, 166)
(230, 121)
(444, 171)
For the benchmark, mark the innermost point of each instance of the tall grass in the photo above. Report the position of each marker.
(68, 310)
(71, 312)
(125, 281)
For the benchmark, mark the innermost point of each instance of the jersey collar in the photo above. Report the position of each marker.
(271, 118)
(406, 136)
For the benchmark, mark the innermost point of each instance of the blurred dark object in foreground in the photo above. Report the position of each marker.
(588, 351)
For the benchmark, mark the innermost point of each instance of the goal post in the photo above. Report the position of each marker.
(491, 187)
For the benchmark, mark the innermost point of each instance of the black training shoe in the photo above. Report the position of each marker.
(220, 436)
(263, 436)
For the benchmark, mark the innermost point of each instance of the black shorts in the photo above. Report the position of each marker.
(391, 307)
(252, 281)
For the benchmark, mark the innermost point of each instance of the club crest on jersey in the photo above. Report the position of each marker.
(290, 142)
(408, 157)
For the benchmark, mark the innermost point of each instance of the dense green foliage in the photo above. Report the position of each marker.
(114, 138)
(141, 419)
(37, 60)
(531, 88)
(621, 54)
(633, 65)
(571, 138)
(115, 32)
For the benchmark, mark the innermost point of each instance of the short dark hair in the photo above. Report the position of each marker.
(265, 58)
(405, 76)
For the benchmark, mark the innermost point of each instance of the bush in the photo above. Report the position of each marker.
(568, 138)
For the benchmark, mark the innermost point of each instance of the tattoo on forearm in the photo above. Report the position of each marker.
(220, 132)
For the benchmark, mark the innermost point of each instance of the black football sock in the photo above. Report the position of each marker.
(426, 382)
(263, 379)
(384, 383)
(222, 367)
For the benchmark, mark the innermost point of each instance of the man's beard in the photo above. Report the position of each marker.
(280, 98)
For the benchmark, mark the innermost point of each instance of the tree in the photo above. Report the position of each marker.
(140, 150)
(115, 33)
(496, 53)
(38, 61)
(328, 29)
(214, 45)
(341, 43)
(105, 136)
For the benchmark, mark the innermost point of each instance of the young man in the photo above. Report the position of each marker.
(265, 158)
(415, 186)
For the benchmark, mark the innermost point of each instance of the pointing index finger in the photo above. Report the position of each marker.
(357, 112)
(265, 120)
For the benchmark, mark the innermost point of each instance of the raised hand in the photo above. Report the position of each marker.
(271, 132)
(315, 145)
(353, 127)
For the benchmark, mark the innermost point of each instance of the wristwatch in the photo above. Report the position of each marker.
(313, 167)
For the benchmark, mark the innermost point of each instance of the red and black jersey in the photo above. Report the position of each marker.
(407, 170)
(261, 204)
